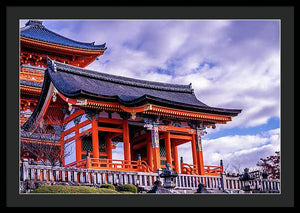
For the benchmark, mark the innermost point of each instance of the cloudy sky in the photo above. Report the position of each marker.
(230, 63)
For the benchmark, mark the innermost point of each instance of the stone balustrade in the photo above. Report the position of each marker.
(76, 176)
(85, 176)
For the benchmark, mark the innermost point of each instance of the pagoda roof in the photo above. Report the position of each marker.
(36, 30)
(40, 137)
(31, 83)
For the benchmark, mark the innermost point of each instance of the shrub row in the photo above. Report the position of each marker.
(105, 188)
(128, 188)
(71, 189)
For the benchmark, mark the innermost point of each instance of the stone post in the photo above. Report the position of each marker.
(88, 160)
(181, 166)
(223, 181)
(63, 175)
(223, 176)
(75, 177)
(24, 169)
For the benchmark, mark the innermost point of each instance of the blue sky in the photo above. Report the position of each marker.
(230, 63)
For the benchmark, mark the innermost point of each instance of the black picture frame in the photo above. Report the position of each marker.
(10, 149)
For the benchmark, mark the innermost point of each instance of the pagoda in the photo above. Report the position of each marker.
(36, 44)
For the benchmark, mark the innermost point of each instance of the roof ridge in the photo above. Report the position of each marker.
(38, 24)
(34, 23)
(54, 66)
(89, 43)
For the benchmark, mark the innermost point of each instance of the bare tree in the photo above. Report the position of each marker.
(226, 168)
(271, 165)
(46, 147)
(232, 169)
(237, 168)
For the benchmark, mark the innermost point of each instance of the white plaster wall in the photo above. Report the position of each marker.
(69, 125)
(72, 134)
(70, 151)
(84, 128)
(103, 114)
(83, 118)
(115, 116)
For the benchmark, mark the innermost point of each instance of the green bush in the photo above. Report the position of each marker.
(108, 186)
(71, 189)
(104, 190)
(128, 188)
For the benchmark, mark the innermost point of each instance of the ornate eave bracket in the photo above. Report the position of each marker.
(199, 133)
(51, 64)
(90, 114)
(54, 94)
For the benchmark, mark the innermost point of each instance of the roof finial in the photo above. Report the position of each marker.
(192, 90)
(34, 23)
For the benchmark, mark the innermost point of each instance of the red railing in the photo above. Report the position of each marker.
(191, 169)
(111, 164)
(213, 170)
(78, 164)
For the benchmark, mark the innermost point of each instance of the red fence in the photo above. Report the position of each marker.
(111, 164)
(191, 169)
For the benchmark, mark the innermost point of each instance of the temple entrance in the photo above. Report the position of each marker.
(104, 146)
(144, 149)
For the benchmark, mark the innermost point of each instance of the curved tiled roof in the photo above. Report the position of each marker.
(36, 30)
(75, 82)
(41, 137)
(74, 71)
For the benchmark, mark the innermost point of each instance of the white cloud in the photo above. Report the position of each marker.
(118, 152)
(236, 151)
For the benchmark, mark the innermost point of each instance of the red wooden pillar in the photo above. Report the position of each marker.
(88, 162)
(175, 153)
(168, 148)
(108, 147)
(78, 143)
(132, 153)
(155, 146)
(200, 164)
(194, 152)
(95, 137)
(126, 141)
(156, 158)
(199, 153)
(62, 148)
(150, 154)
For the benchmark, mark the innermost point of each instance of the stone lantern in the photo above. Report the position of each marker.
(246, 177)
(169, 176)
(265, 175)
(167, 188)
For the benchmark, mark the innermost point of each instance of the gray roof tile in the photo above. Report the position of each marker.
(78, 82)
